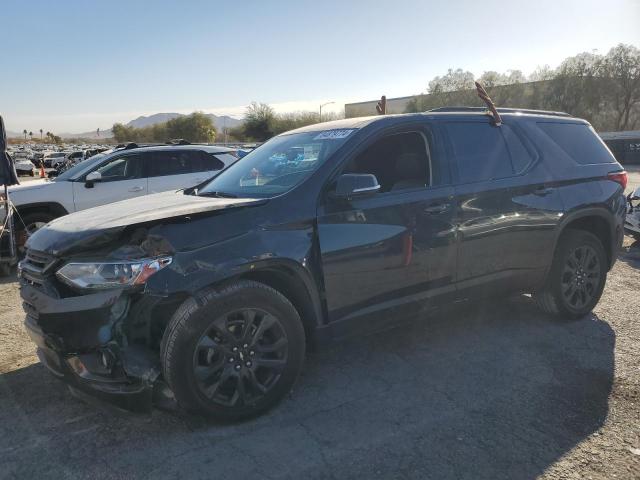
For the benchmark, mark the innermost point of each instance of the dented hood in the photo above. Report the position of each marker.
(96, 226)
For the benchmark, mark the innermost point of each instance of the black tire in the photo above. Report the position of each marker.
(577, 276)
(233, 384)
(5, 269)
(27, 225)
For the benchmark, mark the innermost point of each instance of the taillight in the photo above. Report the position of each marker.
(619, 177)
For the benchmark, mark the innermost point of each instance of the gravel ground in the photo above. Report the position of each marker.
(480, 391)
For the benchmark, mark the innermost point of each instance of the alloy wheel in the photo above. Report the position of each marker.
(240, 357)
(580, 276)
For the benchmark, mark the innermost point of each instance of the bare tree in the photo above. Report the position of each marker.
(622, 65)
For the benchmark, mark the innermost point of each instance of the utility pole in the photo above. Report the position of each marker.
(323, 105)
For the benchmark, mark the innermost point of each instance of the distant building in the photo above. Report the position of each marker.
(624, 145)
(365, 109)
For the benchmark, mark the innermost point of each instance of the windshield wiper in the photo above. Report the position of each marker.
(217, 194)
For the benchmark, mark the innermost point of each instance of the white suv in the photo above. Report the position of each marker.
(115, 175)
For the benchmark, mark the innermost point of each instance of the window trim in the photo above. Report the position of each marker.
(115, 157)
(377, 136)
(516, 130)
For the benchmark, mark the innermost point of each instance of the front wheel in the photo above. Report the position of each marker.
(233, 353)
(577, 277)
(28, 225)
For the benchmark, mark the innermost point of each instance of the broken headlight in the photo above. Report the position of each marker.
(111, 274)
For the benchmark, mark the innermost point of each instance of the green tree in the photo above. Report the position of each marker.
(452, 81)
(259, 121)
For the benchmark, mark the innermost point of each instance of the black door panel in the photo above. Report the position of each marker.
(387, 249)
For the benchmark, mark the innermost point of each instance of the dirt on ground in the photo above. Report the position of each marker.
(492, 390)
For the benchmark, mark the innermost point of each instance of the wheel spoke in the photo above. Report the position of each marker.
(240, 396)
(213, 389)
(271, 363)
(249, 317)
(253, 381)
(266, 323)
(273, 347)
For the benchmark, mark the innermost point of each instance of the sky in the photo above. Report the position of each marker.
(76, 65)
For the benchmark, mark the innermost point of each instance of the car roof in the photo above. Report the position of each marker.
(438, 115)
(194, 146)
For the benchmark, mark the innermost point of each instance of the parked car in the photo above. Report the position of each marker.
(114, 175)
(632, 221)
(211, 295)
(24, 166)
(52, 159)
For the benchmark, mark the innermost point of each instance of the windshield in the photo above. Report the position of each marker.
(277, 166)
(79, 169)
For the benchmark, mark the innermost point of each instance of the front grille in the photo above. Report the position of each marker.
(36, 268)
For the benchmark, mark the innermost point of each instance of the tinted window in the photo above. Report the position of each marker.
(480, 151)
(520, 155)
(399, 162)
(579, 141)
(125, 167)
(205, 162)
(170, 163)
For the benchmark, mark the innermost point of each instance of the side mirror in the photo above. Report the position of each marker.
(351, 185)
(636, 194)
(92, 178)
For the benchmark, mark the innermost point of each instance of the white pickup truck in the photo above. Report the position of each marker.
(114, 175)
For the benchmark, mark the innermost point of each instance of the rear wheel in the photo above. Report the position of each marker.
(577, 277)
(233, 353)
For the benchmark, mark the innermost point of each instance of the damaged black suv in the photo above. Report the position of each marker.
(212, 294)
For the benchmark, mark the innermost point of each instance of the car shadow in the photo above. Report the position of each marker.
(491, 390)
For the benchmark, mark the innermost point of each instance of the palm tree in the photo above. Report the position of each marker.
(31, 135)
(40, 134)
(25, 133)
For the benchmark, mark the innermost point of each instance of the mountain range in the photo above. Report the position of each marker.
(220, 122)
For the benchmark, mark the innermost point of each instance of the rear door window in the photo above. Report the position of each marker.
(205, 162)
(579, 141)
(168, 162)
(480, 151)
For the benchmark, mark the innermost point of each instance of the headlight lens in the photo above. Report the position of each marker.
(111, 274)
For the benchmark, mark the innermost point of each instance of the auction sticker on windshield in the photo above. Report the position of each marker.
(333, 134)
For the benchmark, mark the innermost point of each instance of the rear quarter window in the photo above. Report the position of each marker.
(579, 141)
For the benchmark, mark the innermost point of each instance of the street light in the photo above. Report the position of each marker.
(324, 105)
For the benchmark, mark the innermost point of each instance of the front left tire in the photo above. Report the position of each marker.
(233, 353)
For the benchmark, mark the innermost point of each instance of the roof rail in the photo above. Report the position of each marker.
(501, 110)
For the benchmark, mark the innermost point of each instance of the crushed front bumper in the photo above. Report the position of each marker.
(75, 341)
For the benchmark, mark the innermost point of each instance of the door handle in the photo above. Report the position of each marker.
(136, 189)
(437, 208)
(542, 191)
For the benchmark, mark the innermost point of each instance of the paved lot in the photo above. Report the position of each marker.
(493, 390)
(483, 391)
